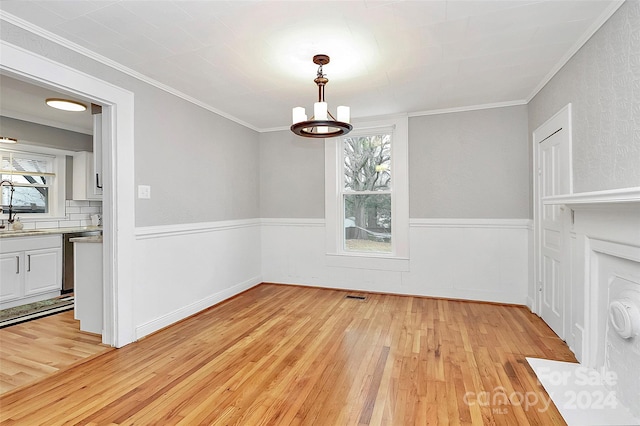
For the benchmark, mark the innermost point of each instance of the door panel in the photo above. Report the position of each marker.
(553, 179)
(42, 271)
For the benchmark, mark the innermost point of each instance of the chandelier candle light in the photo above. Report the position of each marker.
(323, 124)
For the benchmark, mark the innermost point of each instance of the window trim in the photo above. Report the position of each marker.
(57, 189)
(398, 259)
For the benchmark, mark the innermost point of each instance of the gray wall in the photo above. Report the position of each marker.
(461, 165)
(291, 176)
(471, 164)
(40, 135)
(602, 81)
(200, 166)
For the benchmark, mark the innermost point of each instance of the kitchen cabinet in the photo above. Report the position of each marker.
(30, 269)
(86, 183)
(97, 151)
(87, 167)
(10, 277)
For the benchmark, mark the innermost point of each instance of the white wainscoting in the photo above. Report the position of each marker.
(474, 259)
(183, 269)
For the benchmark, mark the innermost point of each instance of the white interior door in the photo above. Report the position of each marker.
(553, 154)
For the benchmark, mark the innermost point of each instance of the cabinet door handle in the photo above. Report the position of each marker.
(28, 263)
(17, 264)
(98, 181)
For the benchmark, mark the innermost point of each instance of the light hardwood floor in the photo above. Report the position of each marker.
(285, 355)
(36, 349)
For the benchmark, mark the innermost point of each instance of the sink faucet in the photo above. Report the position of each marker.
(11, 219)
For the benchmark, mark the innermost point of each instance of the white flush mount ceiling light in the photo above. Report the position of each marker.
(4, 139)
(66, 105)
(323, 124)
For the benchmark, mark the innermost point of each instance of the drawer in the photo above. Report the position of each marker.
(14, 244)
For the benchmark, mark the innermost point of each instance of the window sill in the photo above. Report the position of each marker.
(360, 261)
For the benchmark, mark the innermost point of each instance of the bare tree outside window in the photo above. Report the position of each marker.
(367, 193)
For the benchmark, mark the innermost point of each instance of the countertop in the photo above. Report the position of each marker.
(91, 239)
(48, 231)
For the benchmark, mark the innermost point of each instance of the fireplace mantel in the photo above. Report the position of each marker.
(617, 198)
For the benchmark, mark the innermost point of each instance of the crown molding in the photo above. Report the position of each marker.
(468, 108)
(604, 17)
(41, 32)
(34, 29)
(421, 113)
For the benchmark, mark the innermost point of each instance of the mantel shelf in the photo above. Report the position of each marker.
(625, 196)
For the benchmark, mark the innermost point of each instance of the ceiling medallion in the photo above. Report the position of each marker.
(323, 124)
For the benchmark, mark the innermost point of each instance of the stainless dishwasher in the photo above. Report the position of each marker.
(67, 256)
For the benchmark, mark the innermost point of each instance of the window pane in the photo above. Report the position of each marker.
(367, 163)
(367, 223)
(25, 164)
(26, 199)
(26, 179)
(32, 189)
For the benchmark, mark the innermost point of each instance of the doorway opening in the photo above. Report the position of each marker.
(118, 169)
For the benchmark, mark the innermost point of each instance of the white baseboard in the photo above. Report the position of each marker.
(578, 341)
(186, 311)
(530, 304)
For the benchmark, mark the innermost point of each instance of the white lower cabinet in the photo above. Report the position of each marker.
(11, 277)
(42, 271)
(30, 269)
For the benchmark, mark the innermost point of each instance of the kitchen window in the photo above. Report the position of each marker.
(38, 179)
(366, 198)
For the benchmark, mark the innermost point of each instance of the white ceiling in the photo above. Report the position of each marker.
(251, 60)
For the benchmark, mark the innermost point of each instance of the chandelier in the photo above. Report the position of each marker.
(323, 124)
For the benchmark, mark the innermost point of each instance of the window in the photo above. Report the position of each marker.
(35, 179)
(366, 196)
(366, 193)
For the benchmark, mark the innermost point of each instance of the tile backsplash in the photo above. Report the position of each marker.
(77, 213)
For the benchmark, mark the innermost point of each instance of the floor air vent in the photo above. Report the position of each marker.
(350, 296)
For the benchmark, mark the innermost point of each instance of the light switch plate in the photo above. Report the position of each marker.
(144, 191)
